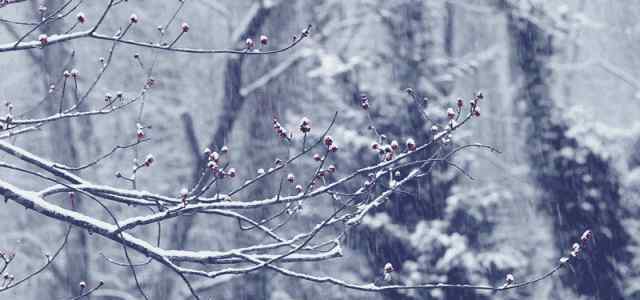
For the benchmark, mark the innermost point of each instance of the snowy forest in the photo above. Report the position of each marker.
(319, 149)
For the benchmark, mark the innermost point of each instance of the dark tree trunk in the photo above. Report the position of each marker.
(579, 190)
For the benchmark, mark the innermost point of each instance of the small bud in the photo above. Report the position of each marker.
(184, 193)
(260, 171)
(149, 160)
(44, 39)
(411, 144)
(388, 149)
(509, 279)
(232, 172)
(249, 43)
(42, 8)
(331, 168)
(75, 73)
(207, 152)
(224, 149)
(136, 55)
(365, 105)
(214, 156)
(119, 94)
(133, 19)
(108, 97)
(299, 188)
(328, 140)
(460, 102)
(434, 129)
(185, 27)
(476, 112)
(291, 177)
(305, 125)
(333, 148)
(82, 285)
(140, 134)
(576, 247)
(383, 137)
(394, 145)
(212, 165)
(66, 74)
(450, 113)
(375, 146)
(388, 268)
(264, 39)
(317, 157)
(586, 236)
(388, 156)
(81, 17)
(479, 95)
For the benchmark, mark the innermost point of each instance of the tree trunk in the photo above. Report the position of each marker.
(579, 190)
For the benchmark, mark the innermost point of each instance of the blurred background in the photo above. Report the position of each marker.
(562, 96)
